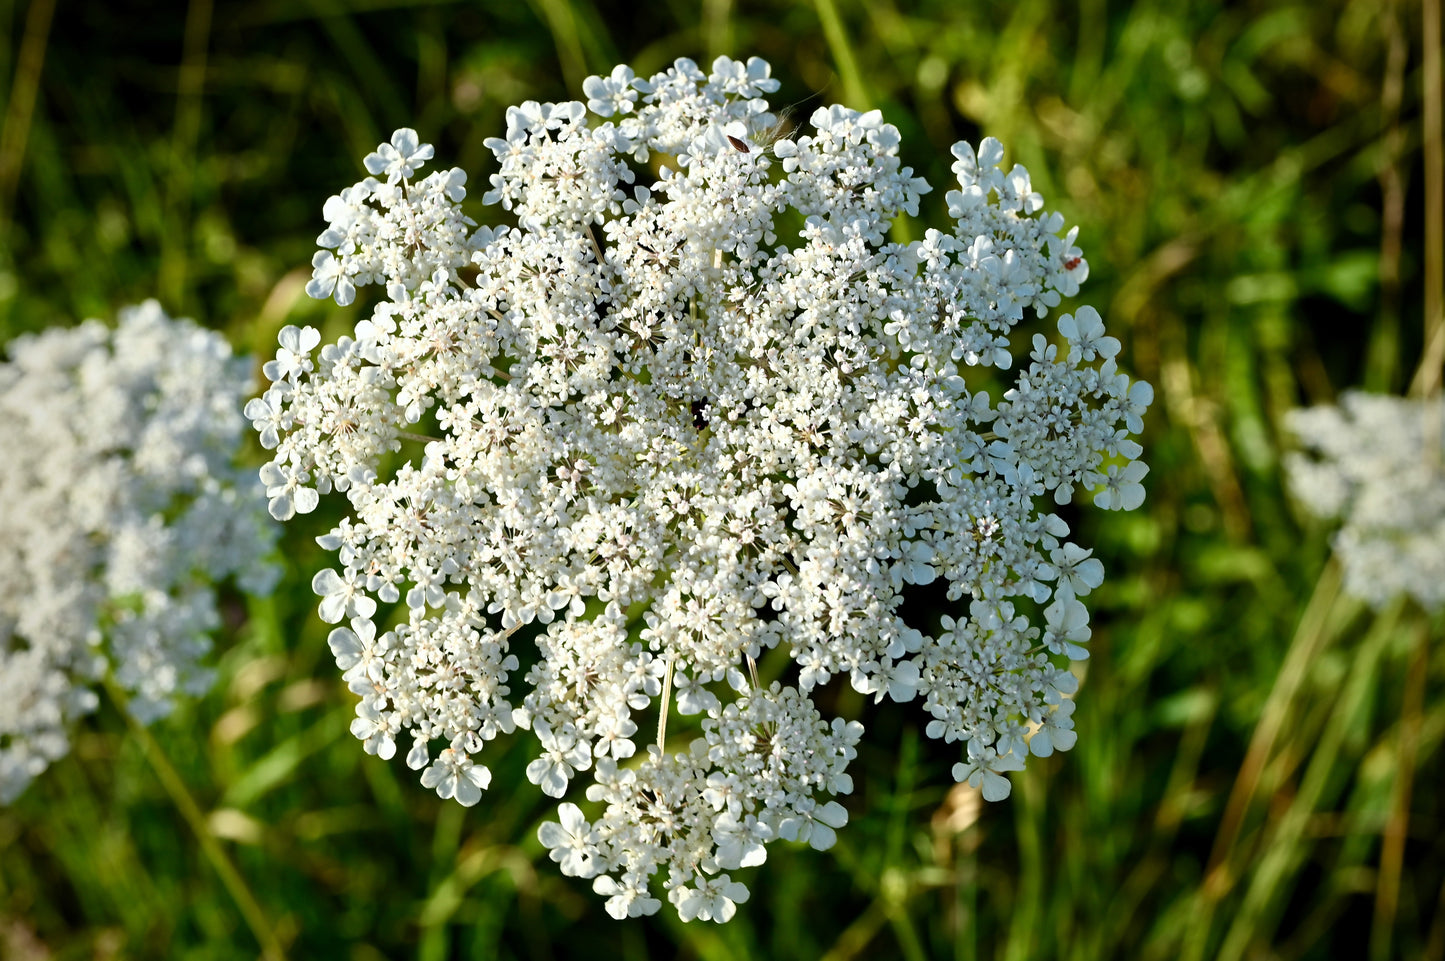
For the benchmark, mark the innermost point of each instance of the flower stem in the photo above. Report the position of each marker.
(185, 802)
(15, 127)
(1392, 853)
(666, 703)
(854, 90)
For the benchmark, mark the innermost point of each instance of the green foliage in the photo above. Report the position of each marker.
(1246, 177)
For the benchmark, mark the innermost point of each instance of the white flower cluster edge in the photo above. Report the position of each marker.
(1374, 462)
(123, 508)
(695, 407)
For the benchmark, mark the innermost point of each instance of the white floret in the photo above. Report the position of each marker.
(122, 511)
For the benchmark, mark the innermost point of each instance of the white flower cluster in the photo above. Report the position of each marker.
(692, 409)
(122, 509)
(1375, 463)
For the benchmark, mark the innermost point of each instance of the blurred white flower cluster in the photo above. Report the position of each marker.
(121, 511)
(692, 409)
(1375, 463)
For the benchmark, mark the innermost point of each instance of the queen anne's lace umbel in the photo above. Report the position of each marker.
(692, 408)
(121, 511)
(1375, 463)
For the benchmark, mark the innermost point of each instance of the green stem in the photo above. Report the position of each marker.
(1428, 377)
(185, 802)
(717, 20)
(190, 85)
(666, 701)
(1392, 854)
(15, 127)
(1286, 838)
(853, 89)
(420, 438)
(562, 24)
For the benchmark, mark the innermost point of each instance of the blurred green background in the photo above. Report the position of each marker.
(1258, 761)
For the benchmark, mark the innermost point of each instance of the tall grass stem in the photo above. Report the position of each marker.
(190, 810)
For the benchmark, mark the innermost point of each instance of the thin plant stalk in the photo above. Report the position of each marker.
(562, 24)
(1304, 650)
(1382, 355)
(175, 246)
(1283, 849)
(854, 90)
(15, 128)
(186, 803)
(1392, 853)
(1428, 378)
(665, 704)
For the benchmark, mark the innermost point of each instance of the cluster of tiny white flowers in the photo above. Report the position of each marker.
(122, 509)
(1375, 463)
(693, 408)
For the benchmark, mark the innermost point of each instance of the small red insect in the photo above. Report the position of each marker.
(1073, 262)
